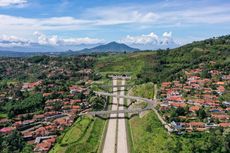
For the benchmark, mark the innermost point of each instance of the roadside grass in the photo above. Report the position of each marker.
(77, 131)
(82, 137)
(144, 90)
(129, 136)
(149, 135)
(91, 141)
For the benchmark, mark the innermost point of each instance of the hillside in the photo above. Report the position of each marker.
(163, 65)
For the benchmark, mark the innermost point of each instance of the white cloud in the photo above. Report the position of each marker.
(149, 39)
(55, 40)
(135, 16)
(160, 14)
(42, 39)
(4, 3)
(119, 15)
(13, 23)
(13, 41)
(167, 38)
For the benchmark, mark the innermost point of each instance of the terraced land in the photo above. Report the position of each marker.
(83, 137)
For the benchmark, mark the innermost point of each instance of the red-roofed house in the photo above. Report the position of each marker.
(6, 130)
(224, 124)
(194, 108)
(177, 104)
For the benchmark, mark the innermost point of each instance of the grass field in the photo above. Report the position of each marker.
(83, 137)
(78, 130)
(123, 63)
(144, 90)
(149, 136)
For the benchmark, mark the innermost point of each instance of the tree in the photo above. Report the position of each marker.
(201, 114)
(12, 142)
(180, 111)
(97, 102)
(205, 74)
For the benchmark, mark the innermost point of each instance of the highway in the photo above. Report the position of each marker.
(116, 136)
(110, 137)
(122, 145)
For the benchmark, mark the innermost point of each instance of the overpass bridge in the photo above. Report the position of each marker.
(116, 137)
(120, 77)
(151, 104)
(149, 101)
(139, 110)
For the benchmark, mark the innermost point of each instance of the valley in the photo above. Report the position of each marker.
(71, 104)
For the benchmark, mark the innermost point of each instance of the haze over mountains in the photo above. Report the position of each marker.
(110, 47)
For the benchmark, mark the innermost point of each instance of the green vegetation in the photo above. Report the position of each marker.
(146, 69)
(97, 102)
(122, 63)
(144, 90)
(3, 115)
(11, 143)
(30, 104)
(167, 65)
(150, 136)
(83, 137)
(77, 130)
(91, 141)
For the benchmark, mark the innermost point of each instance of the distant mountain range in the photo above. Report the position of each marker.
(110, 47)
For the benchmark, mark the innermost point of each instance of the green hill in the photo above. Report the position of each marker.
(165, 65)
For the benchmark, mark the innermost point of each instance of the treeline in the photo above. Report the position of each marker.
(217, 141)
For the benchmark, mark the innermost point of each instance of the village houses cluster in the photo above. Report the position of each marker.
(42, 129)
(194, 103)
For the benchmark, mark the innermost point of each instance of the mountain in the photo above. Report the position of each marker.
(110, 47)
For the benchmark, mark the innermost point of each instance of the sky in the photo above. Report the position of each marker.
(76, 24)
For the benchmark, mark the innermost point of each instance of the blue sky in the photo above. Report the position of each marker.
(147, 24)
